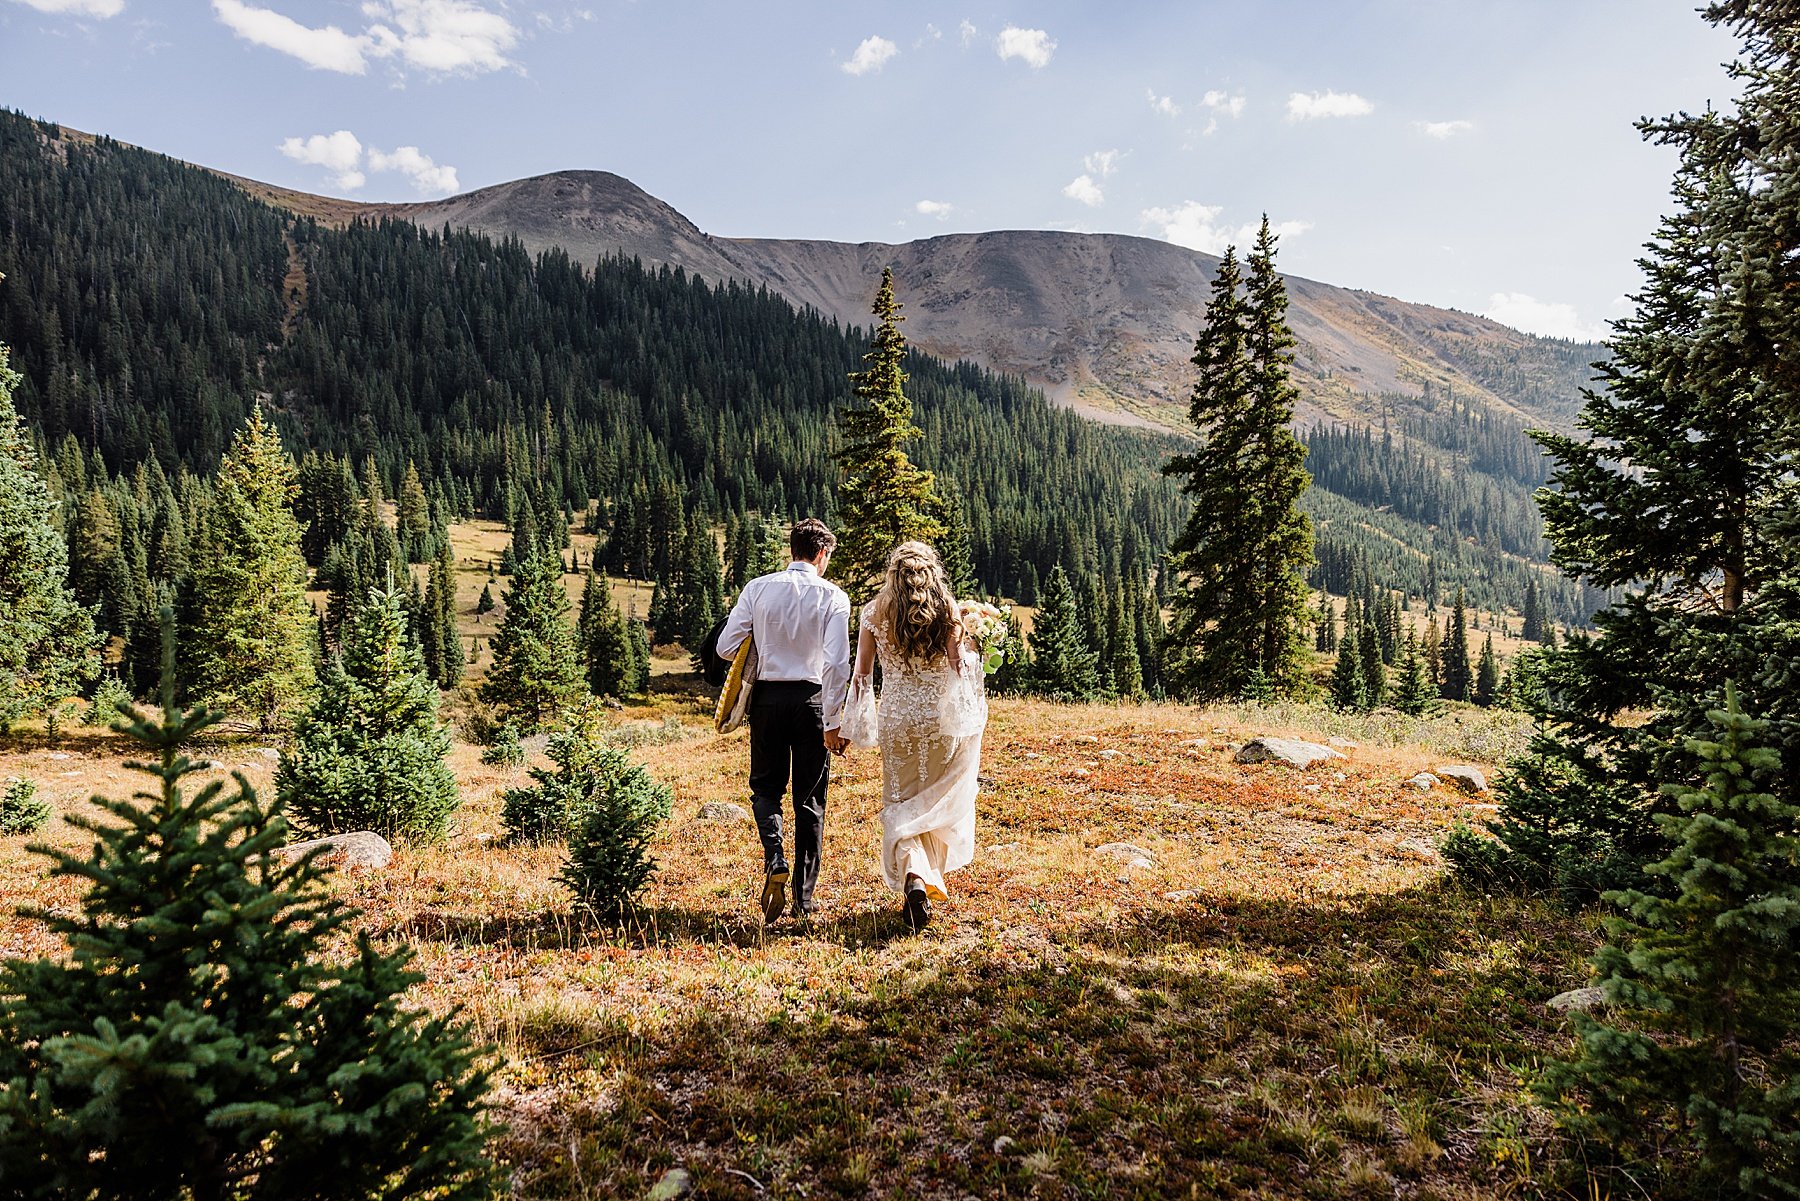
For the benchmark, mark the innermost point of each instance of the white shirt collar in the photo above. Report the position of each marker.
(803, 565)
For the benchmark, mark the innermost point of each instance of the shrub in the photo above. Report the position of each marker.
(22, 810)
(609, 860)
(505, 750)
(111, 698)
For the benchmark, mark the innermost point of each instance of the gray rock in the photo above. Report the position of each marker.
(1419, 847)
(1109, 754)
(1576, 1000)
(676, 1182)
(1469, 779)
(1342, 744)
(723, 811)
(1181, 894)
(358, 849)
(1132, 855)
(1081, 773)
(1004, 1143)
(269, 753)
(1291, 751)
(1424, 782)
(59, 756)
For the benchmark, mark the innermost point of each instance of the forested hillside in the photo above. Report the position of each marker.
(149, 303)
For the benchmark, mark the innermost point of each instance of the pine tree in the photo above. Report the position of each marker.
(247, 643)
(605, 641)
(1064, 666)
(1325, 625)
(1414, 694)
(883, 498)
(1487, 674)
(1433, 650)
(485, 604)
(1016, 670)
(1122, 654)
(534, 673)
(1705, 984)
(369, 754)
(1247, 545)
(1349, 688)
(1532, 629)
(443, 644)
(48, 645)
(206, 1037)
(957, 546)
(1458, 679)
(1374, 671)
(413, 518)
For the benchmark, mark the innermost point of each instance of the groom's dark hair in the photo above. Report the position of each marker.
(810, 537)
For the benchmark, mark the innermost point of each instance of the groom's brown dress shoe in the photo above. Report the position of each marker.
(918, 906)
(774, 893)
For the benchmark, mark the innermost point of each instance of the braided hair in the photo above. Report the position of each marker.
(917, 605)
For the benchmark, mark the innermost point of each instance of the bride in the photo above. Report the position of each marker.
(932, 710)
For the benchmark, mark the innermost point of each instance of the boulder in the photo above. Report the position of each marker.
(675, 1183)
(723, 811)
(1424, 782)
(1577, 1000)
(1133, 856)
(1469, 779)
(358, 849)
(1291, 751)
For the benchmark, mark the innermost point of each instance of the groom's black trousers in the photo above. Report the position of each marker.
(787, 742)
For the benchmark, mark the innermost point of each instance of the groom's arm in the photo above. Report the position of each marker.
(737, 626)
(837, 661)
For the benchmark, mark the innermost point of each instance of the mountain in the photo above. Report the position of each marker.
(1102, 322)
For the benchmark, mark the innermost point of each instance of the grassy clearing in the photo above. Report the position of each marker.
(1290, 1002)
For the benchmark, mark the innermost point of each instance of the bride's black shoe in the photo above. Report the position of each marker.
(918, 906)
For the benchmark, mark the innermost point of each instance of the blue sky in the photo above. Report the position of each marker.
(1472, 153)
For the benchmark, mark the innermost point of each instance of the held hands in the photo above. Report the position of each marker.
(835, 742)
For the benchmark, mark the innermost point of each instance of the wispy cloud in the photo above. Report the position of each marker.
(1031, 46)
(1162, 104)
(1551, 319)
(1443, 130)
(1085, 187)
(346, 160)
(871, 55)
(1307, 106)
(440, 37)
(1221, 103)
(77, 8)
(967, 32)
(1197, 226)
(934, 208)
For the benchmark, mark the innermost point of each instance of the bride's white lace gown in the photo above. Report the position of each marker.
(928, 723)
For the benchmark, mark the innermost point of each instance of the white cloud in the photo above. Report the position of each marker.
(77, 8)
(326, 49)
(1162, 104)
(1033, 46)
(1197, 227)
(870, 55)
(1224, 102)
(440, 37)
(1442, 130)
(934, 208)
(1304, 106)
(1102, 162)
(933, 32)
(339, 153)
(1084, 189)
(968, 32)
(345, 158)
(428, 178)
(1547, 318)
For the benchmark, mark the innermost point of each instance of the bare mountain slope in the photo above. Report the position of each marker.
(1104, 322)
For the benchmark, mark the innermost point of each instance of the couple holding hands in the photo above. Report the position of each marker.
(808, 704)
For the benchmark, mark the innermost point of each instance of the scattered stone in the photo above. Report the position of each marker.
(1080, 773)
(269, 753)
(675, 1183)
(1465, 777)
(723, 811)
(1576, 1000)
(1424, 782)
(1342, 744)
(1309, 788)
(1419, 847)
(1181, 894)
(1109, 754)
(1291, 751)
(1004, 1143)
(1198, 743)
(1033, 755)
(358, 849)
(59, 756)
(1220, 730)
(614, 704)
(1133, 856)
(1339, 776)
(1002, 846)
(213, 765)
(1087, 738)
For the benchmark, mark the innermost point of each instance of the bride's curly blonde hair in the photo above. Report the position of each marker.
(917, 604)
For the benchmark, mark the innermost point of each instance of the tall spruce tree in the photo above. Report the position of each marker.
(884, 499)
(1458, 682)
(1064, 665)
(605, 641)
(1349, 687)
(444, 659)
(247, 643)
(535, 673)
(1242, 612)
(1413, 694)
(206, 1036)
(1704, 984)
(48, 645)
(1487, 674)
(369, 754)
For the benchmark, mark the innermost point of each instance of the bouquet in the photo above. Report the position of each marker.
(986, 624)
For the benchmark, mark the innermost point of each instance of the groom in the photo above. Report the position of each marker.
(801, 623)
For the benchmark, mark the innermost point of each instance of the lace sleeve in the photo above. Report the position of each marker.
(963, 711)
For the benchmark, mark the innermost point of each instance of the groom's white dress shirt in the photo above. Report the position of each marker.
(801, 623)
